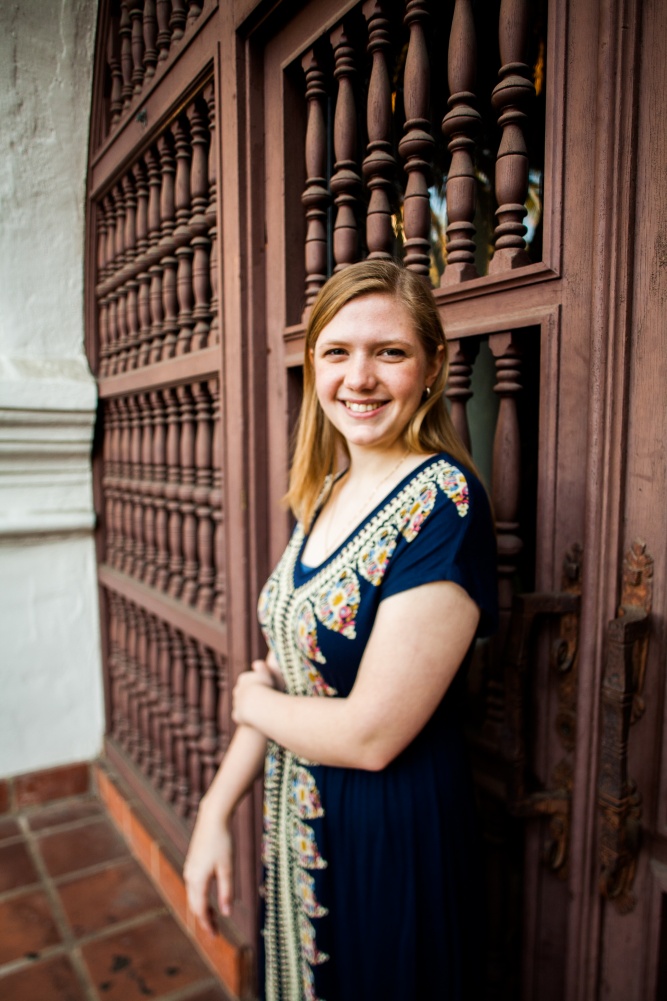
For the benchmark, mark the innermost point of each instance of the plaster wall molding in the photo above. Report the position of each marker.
(47, 418)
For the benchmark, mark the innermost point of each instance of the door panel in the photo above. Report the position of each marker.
(320, 132)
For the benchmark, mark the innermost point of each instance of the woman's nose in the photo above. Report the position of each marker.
(360, 372)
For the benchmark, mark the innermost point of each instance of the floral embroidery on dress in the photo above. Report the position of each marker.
(416, 510)
(305, 632)
(374, 557)
(336, 605)
(452, 481)
(305, 884)
(305, 794)
(316, 682)
(306, 847)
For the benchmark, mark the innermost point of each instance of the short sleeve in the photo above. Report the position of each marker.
(453, 542)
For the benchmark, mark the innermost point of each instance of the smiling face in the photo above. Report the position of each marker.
(371, 371)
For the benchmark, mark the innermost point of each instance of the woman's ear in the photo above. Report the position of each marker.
(436, 365)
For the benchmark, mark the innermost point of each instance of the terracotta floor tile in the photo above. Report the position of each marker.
(9, 828)
(147, 961)
(99, 900)
(26, 926)
(64, 813)
(51, 980)
(16, 867)
(70, 851)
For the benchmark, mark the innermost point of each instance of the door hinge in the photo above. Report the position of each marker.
(619, 801)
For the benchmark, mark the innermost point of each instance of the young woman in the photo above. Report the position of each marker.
(370, 858)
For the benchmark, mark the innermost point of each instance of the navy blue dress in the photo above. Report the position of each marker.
(371, 878)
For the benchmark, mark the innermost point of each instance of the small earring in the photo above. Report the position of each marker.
(427, 390)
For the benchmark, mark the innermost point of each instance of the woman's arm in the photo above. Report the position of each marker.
(210, 850)
(418, 642)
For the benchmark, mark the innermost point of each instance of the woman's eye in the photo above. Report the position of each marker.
(394, 352)
(334, 352)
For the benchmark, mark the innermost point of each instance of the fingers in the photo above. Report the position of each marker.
(197, 893)
(225, 889)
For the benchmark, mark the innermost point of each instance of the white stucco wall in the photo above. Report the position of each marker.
(51, 709)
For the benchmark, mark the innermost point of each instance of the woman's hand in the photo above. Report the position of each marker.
(248, 684)
(209, 857)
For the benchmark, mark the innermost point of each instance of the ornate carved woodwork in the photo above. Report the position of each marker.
(619, 800)
(379, 167)
(416, 146)
(462, 355)
(345, 182)
(142, 38)
(316, 196)
(460, 124)
(509, 99)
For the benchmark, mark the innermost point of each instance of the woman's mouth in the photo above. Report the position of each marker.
(363, 408)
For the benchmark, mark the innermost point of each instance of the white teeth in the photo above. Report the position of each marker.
(361, 408)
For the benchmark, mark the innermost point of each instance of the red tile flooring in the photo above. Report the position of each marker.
(79, 920)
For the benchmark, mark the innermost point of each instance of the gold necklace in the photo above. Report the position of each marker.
(367, 505)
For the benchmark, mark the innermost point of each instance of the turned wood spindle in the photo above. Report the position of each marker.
(151, 347)
(186, 495)
(416, 146)
(161, 576)
(143, 748)
(510, 96)
(193, 726)
(125, 486)
(113, 662)
(154, 757)
(115, 71)
(167, 246)
(379, 166)
(167, 771)
(178, 721)
(316, 195)
(136, 16)
(163, 29)
(177, 19)
(460, 125)
(135, 564)
(143, 277)
(345, 182)
(208, 742)
(121, 722)
(133, 738)
(102, 302)
(175, 520)
(506, 480)
(111, 299)
(219, 549)
(194, 10)
(202, 497)
(462, 355)
(125, 33)
(224, 705)
(212, 216)
(108, 419)
(114, 518)
(182, 234)
(147, 569)
(150, 28)
(132, 285)
(201, 316)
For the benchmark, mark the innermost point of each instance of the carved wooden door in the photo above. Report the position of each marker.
(239, 153)
(170, 464)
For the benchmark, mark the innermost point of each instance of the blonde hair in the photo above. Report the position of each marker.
(429, 430)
